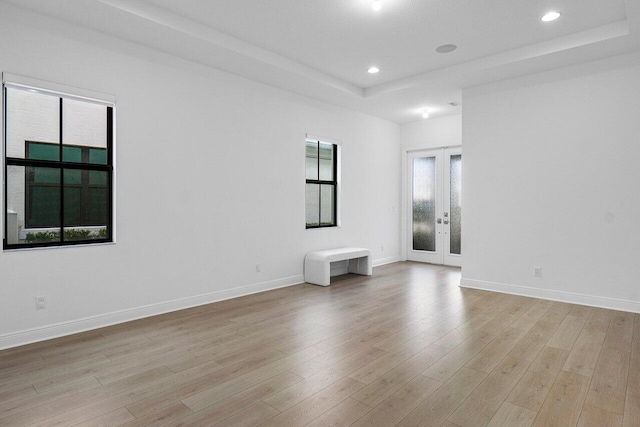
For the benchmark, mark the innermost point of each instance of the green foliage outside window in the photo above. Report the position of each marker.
(71, 234)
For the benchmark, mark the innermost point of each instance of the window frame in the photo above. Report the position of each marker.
(61, 165)
(319, 182)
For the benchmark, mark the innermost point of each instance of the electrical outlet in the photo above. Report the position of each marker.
(41, 303)
(537, 271)
(258, 268)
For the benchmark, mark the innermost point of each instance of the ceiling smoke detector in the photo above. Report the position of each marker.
(446, 48)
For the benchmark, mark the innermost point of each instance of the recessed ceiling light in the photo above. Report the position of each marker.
(373, 70)
(551, 16)
(446, 48)
(376, 5)
(425, 113)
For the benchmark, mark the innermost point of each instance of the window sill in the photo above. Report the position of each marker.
(40, 248)
(328, 227)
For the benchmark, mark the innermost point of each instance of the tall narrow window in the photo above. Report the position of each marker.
(321, 184)
(58, 169)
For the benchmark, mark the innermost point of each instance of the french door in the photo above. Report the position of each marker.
(435, 206)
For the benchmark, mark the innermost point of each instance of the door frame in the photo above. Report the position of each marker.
(406, 193)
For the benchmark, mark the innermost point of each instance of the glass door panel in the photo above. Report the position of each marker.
(424, 204)
(453, 207)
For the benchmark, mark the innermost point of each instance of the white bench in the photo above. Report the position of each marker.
(317, 265)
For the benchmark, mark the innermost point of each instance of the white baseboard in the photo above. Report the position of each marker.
(29, 336)
(554, 295)
(57, 330)
(383, 261)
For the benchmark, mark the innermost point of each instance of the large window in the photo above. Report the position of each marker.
(58, 169)
(321, 184)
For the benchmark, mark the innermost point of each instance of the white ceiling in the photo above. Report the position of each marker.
(343, 38)
(323, 48)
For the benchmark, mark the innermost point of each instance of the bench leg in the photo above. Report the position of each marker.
(317, 273)
(361, 266)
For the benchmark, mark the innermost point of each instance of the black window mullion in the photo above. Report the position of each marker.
(323, 182)
(335, 185)
(4, 154)
(110, 173)
(61, 179)
(110, 136)
(319, 188)
(12, 161)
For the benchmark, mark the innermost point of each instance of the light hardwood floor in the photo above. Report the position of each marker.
(405, 347)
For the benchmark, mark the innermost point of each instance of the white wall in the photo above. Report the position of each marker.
(210, 182)
(551, 180)
(432, 133)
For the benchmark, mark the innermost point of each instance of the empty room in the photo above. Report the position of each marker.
(323, 213)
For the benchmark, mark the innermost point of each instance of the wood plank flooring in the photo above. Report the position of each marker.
(404, 347)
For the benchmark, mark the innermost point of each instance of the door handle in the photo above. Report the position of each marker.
(439, 221)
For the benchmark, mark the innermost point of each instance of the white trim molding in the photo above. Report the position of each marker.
(384, 261)
(58, 89)
(48, 332)
(311, 137)
(554, 295)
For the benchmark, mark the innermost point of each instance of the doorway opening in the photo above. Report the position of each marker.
(434, 208)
